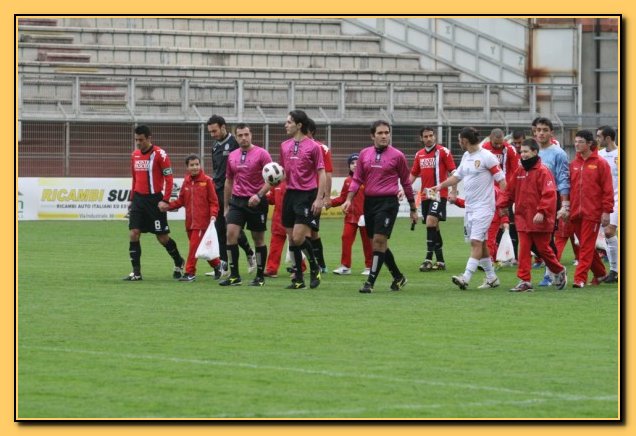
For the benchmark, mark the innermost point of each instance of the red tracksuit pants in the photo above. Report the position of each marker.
(561, 242)
(348, 237)
(541, 242)
(195, 236)
(492, 236)
(587, 232)
(276, 245)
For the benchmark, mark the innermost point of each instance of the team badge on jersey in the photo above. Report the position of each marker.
(477, 163)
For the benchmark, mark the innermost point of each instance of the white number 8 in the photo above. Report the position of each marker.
(157, 225)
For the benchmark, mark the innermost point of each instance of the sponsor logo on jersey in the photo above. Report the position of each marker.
(427, 162)
(142, 165)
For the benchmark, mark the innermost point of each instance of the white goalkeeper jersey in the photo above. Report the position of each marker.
(612, 159)
(479, 170)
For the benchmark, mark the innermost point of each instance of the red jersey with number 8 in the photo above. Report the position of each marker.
(151, 172)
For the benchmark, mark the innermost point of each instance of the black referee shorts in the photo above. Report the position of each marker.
(146, 216)
(380, 214)
(297, 209)
(239, 213)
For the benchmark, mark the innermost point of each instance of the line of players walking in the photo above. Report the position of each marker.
(554, 200)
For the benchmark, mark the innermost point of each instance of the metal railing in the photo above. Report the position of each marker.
(123, 99)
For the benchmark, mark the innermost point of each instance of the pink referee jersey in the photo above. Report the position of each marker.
(380, 172)
(245, 168)
(301, 160)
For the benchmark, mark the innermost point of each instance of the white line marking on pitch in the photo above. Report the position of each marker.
(568, 397)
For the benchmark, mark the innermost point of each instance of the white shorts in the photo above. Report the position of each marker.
(614, 215)
(477, 223)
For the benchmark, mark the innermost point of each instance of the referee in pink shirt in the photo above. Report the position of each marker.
(379, 168)
(302, 159)
(245, 203)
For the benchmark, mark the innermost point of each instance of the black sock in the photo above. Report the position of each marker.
(298, 260)
(245, 244)
(376, 266)
(389, 260)
(308, 249)
(135, 256)
(430, 242)
(261, 258)
(173, 251)
(232, 258)
(439, 253)
(318, 252)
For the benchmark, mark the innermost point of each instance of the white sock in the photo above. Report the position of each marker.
(471, 267)
(486, 264)
(612, 252)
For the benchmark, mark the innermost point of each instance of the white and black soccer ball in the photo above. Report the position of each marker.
(273, 173)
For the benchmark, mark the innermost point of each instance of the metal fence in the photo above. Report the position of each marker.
(102, 149)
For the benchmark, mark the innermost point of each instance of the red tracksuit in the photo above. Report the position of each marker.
(533, 191)
(591, 195)
(565, 232)
(198, 196)
(351, 225)
(279, 235)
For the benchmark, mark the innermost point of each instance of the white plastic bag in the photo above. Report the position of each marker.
(361, 221)
(505, 252)
(209, 246)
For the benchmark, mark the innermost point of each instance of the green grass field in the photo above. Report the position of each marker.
(93, 346)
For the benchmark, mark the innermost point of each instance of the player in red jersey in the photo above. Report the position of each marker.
(316, 242)
(151, 188)
(433, 164)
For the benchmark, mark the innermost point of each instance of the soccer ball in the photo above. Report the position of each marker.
(273, 173)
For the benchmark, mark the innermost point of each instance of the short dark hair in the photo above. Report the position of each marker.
(426, 129)
(471, 134)
(143, 130)
(532, 143)
(379, 123)
(300, 117)
(586, 134)
(608, 131)
(311, 126)
(242, 126)
(192, 157)
(518, 134)
(216, 119)
(543, 120)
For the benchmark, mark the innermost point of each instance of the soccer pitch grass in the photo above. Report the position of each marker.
(93, 346)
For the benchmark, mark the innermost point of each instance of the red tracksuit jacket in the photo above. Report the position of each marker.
(532, 191)
(198, 196)
(357, 204)
(591, 190)
(275, 198)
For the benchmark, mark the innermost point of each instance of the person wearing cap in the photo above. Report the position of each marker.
(433, 164)
(592, 202)
(353, 222)
(380, 167)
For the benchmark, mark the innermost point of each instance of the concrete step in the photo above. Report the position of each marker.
(40, 22)
(235, 72)
(291, 26)
(62, 55)
(39, 37)
(230, 57)
(226, 40)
